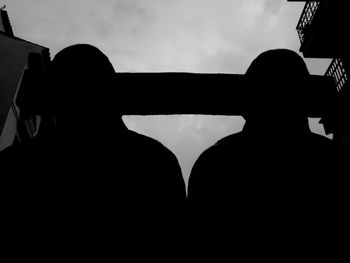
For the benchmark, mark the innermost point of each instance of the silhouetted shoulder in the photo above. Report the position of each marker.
(150, 148)
(237, 164)
(218, 152)
(239, 137)
(210, 169)
(222, 145)
(320, 139)
(152, 167)
(143, 140)
(16, 156)
(327, 153)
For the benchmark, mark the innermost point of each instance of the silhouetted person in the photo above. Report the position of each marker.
(275, 180)
(90, 173)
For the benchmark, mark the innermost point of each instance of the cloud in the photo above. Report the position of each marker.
(226, 60)
(256, 26)
(272, 6)
(161, 35)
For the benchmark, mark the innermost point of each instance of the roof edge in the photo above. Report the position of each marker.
(7, 23)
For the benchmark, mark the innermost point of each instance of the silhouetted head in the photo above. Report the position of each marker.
(81, 86)
(277, 87)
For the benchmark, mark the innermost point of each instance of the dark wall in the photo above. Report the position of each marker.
(13, 59)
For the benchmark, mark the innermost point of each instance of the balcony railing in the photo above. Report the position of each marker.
(338, 71)
(306, 18)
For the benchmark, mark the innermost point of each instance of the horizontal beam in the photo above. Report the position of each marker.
(209, 94)
(182, 93)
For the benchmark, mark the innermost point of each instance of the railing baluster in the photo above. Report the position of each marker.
(306, 18)
(337, 70)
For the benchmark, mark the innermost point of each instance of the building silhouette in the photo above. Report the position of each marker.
(21, 66)
(322, 31)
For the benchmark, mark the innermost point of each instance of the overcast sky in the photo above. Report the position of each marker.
(168, 35)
